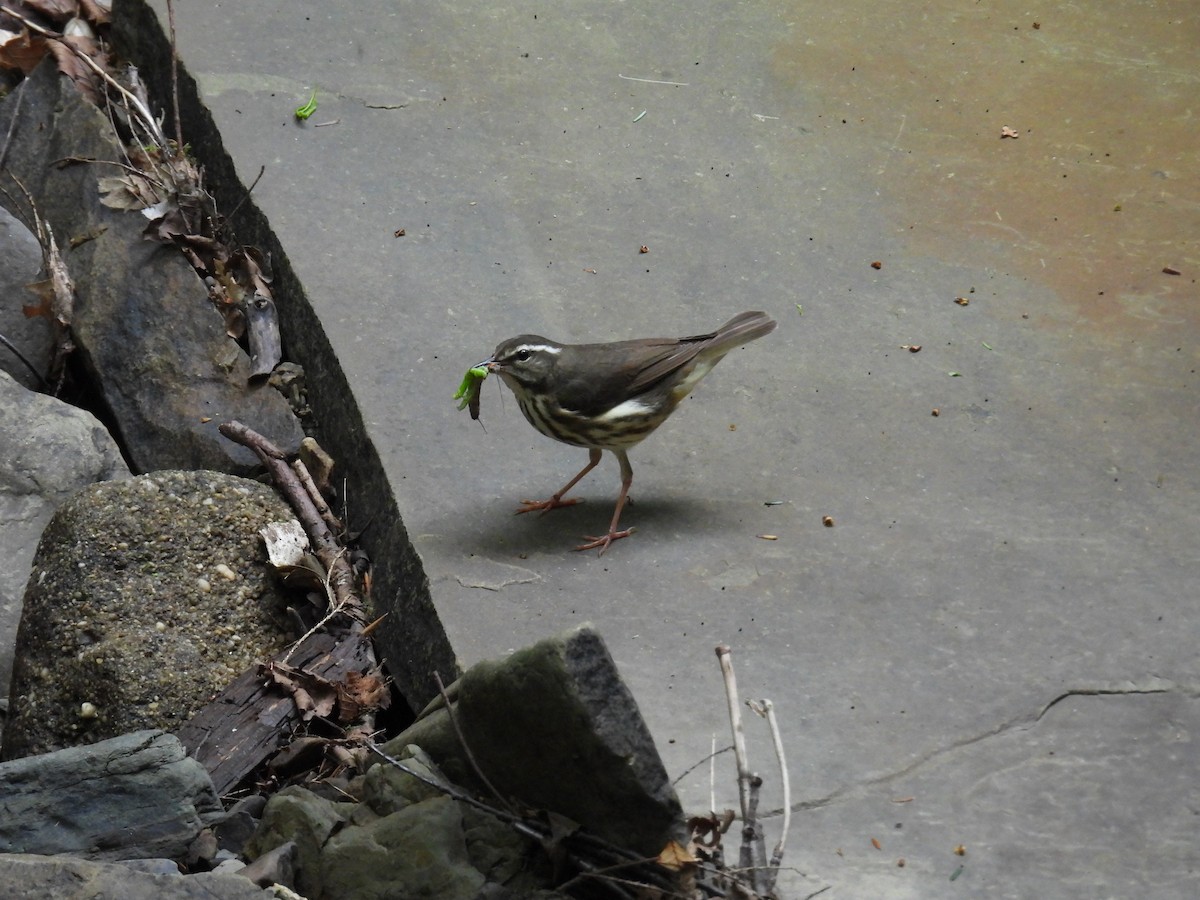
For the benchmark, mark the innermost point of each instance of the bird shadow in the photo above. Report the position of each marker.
(550, 532)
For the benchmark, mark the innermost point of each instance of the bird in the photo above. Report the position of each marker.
(610, 396)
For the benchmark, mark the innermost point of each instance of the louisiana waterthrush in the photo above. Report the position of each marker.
(610, 396)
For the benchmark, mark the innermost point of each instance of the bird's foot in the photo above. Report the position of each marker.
(544, 506)
(603, 542)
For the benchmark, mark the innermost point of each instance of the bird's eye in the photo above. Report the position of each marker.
(523, 355)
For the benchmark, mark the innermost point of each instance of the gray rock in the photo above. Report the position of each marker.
(405, 839)
(298, 816)
(48, 451)
(147, 335)
(155, 866)
(418, 851)
(387, 789)
(554, 726)
(148, 596)
(137, 796)
(276, 866)
(28, 877)
(410, 638)
(20, 264)
(494, 847)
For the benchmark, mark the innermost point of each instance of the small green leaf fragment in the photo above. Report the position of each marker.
(303, 112)
(987, 346)
(954, 875)
(640, 116)
(799, 309)
(955, 374)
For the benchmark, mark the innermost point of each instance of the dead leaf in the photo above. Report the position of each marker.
(675, 857)
(94, 12)
(560, 828)
(21, 50)
(300, 755)
(65, 53)
(44, 291)
(313, 695)
(367, 691)
(56, 10)
(129, 191)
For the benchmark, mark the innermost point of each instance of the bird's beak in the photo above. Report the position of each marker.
(490, 364)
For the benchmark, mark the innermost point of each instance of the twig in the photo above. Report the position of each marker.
(62, 288)
(652, 80)
(336, 606)
(253, 184)
(724, 655)
(17, 353)
(766, 709)
(12, 123)
(754, 851)
(747, 794)
(462, 740)
(148, 120)
(174, 75)
(712, 775)
(310, 488)
(325, 545)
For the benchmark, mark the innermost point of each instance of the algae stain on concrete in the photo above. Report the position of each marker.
(1100, 191)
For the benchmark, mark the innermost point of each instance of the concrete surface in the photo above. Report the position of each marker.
(995, 645)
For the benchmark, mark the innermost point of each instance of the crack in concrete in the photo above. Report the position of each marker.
(1165, 688)
(508, 575)
(1155, 685)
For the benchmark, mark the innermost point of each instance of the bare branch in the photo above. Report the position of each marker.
(766, 709)
(725, 656)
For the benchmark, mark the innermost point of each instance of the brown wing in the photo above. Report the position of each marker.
(741, 329)
(601, 376)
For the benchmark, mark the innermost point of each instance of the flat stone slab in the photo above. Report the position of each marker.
(137, 796)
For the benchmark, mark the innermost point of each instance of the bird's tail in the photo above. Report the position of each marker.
(741, 329)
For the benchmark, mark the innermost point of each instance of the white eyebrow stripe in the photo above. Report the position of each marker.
(538, 348)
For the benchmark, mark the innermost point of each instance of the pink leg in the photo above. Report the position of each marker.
(557, 500)
(613, 534)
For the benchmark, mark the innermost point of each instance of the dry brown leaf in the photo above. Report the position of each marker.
(56, 10)
(561, 828)
(21, 51)
(129, 191)
(367, 690)
(313, 695)
(94, 12)
(44, 291)
(298, 756)
(675, 856)
(76, 69)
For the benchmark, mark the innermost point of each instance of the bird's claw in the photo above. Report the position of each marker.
(544, 506)
(603, 542)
